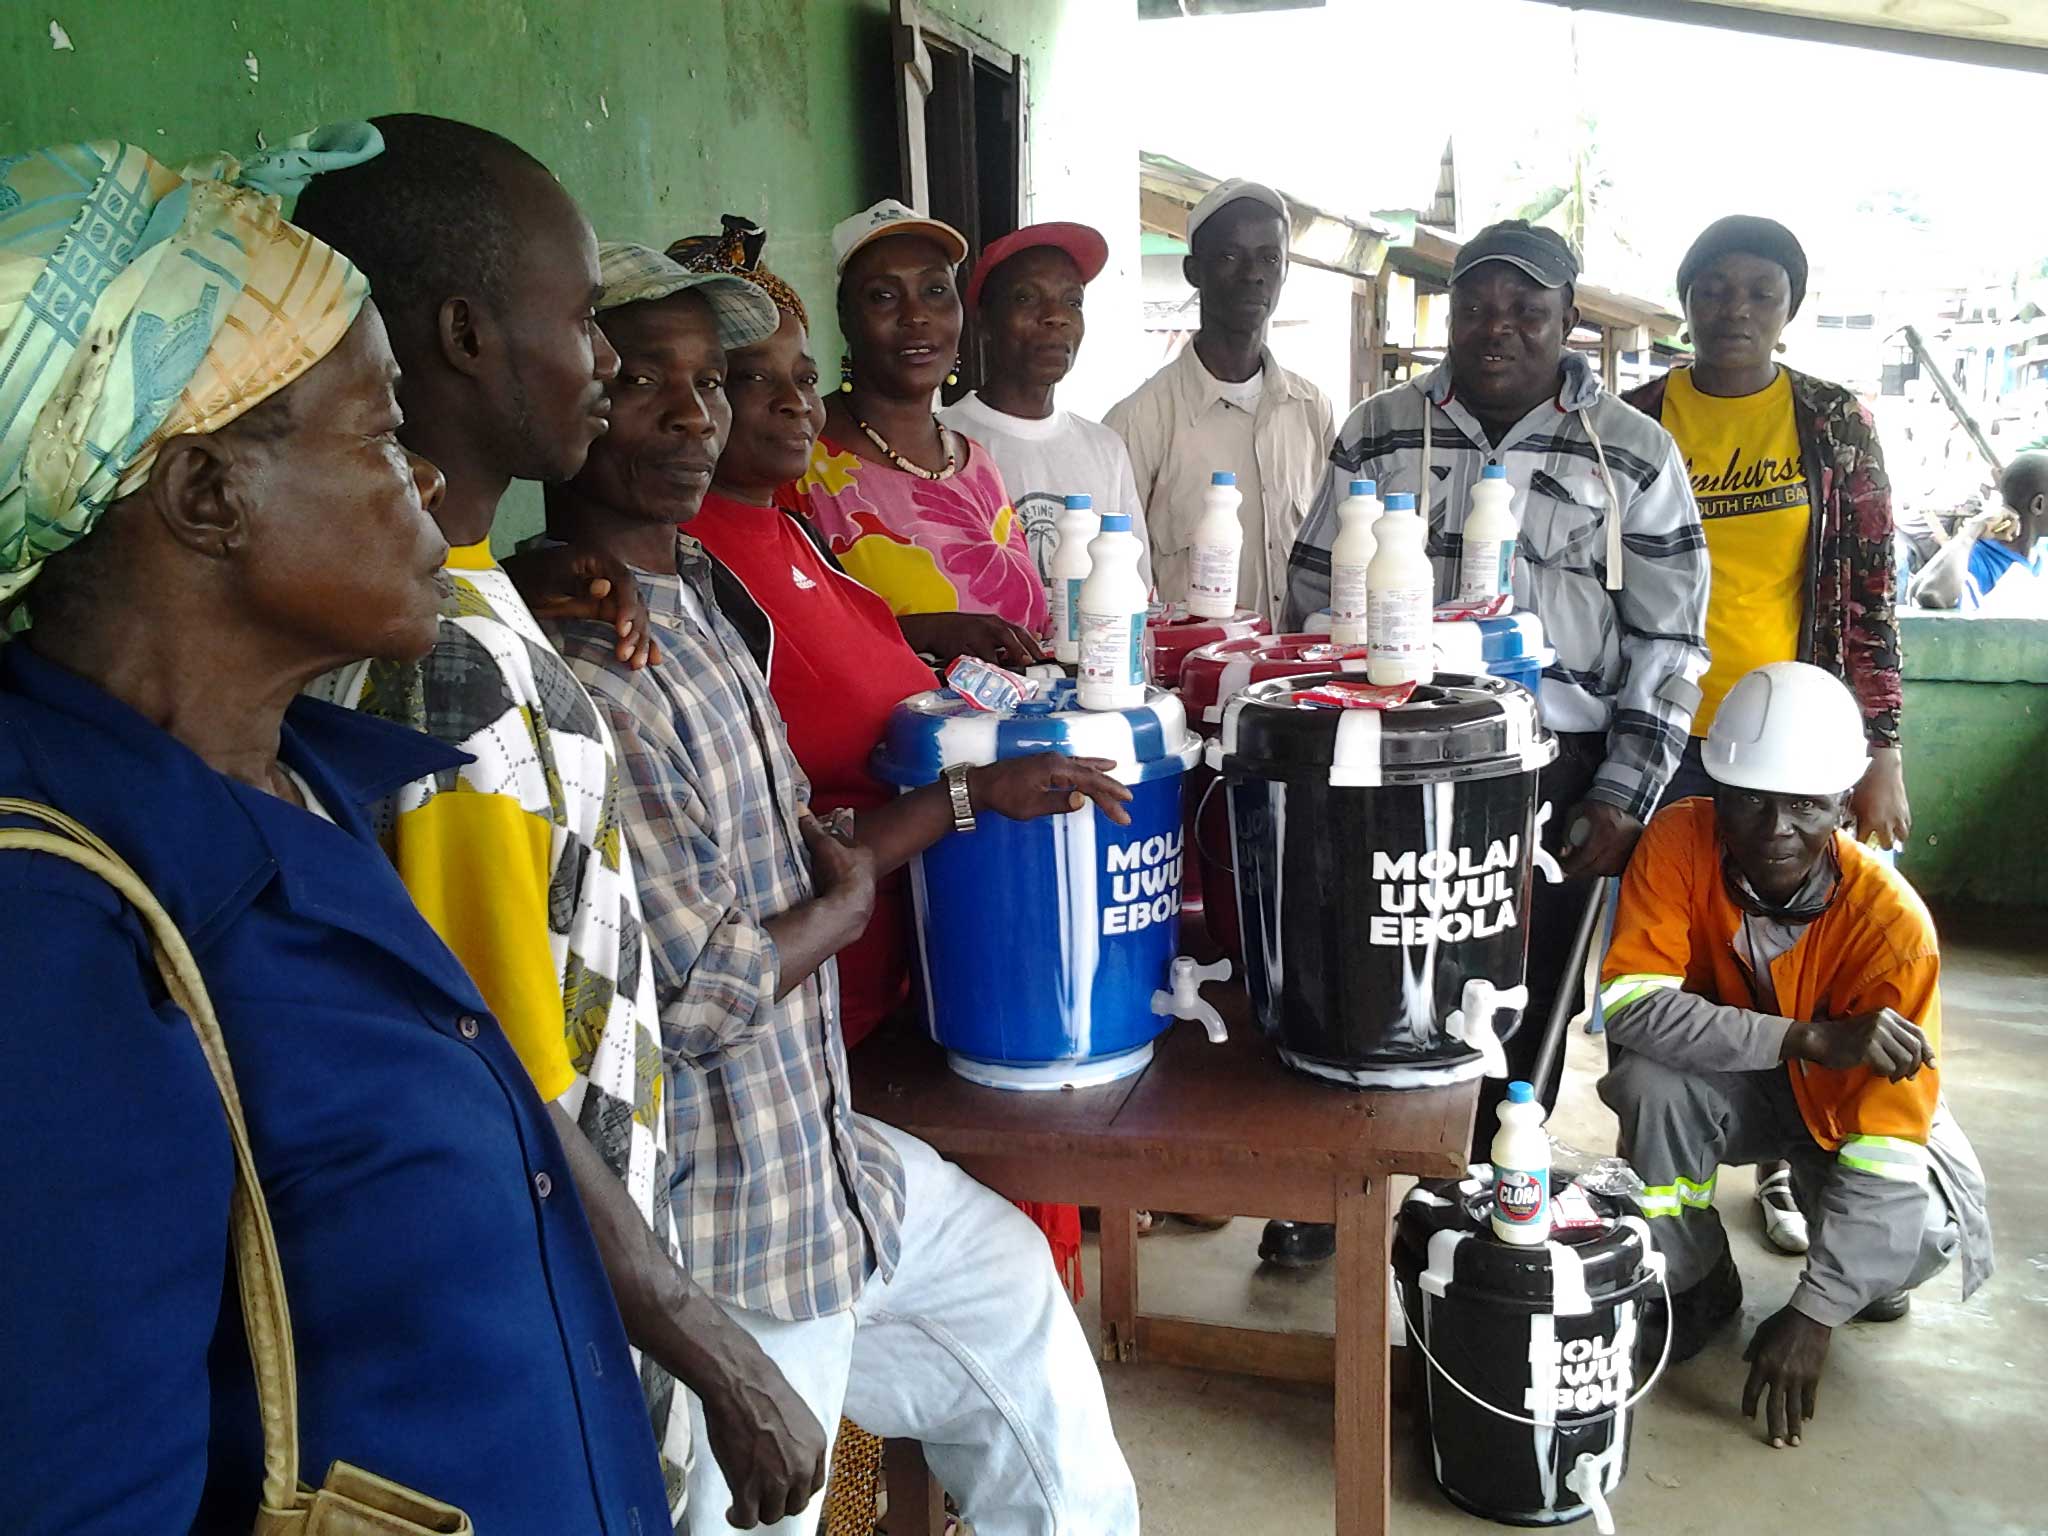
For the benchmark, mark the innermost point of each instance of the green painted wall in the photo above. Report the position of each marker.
(657, 114)
(1976, 739)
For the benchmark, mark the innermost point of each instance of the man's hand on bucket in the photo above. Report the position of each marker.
(1047, 783)
(1786, 1356)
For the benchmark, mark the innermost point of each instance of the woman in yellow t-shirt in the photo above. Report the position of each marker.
(1797, 512)
(1794, 499)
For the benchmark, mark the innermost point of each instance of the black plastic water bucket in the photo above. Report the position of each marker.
(1383, 865)
(1548, 1338)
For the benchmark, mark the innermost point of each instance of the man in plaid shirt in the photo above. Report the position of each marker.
(884, 1282)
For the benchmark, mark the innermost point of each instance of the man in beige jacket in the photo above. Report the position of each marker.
(1225, 404)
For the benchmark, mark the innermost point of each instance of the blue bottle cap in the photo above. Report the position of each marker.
(1080, 503)
(1400, 501)
(1223, 477)
(1116, 522)
(1521, 1093)
(1494, 472)
(1362, 488)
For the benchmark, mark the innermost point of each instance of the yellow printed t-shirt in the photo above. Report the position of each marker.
(1742, 455)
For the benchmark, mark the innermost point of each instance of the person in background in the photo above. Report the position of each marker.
(489, 274)
(888, 1285)
(914, 510)
(1225, 403)
(1995, 562)
(835, 660)
(1796, 508)
(1027, 291)
(1773, 990)
(216, 513)
(1610, 559)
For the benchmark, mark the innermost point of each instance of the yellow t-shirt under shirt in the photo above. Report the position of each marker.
(1742, 456)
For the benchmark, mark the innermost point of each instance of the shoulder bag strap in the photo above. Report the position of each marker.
(258, 1273)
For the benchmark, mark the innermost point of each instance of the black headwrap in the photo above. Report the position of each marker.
(1753, 237)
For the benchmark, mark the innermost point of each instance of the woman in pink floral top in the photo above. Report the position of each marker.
(911, 509)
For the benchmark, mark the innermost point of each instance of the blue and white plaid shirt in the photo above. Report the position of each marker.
(783, 1195)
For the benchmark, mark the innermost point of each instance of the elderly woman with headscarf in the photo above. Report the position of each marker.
(913, 509)
(203, 506)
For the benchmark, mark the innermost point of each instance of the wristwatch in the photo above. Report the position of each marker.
(956, 790)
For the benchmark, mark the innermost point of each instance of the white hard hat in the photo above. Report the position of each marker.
(1790, 729)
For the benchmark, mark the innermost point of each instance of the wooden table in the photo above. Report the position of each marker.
(1213, 1128)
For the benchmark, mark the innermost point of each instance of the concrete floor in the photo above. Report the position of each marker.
(1931, 1425)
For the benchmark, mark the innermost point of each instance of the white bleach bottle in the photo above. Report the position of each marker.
(1521, 1170)
(1215, 549)
(1349, 557)
(1400, 591)
(1075, 526)
(1486, 564)
(1111, 606)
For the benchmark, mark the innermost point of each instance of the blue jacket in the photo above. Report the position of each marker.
(454, 1327)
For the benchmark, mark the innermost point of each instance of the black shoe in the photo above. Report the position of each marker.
(1703, 1310)
(1298, 1244)
(1886, 1309)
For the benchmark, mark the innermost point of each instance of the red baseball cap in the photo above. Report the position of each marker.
(1086, 245)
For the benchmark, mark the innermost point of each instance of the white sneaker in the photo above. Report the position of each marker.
(1784, 1226)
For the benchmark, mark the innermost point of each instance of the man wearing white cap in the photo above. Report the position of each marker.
(1773, 990)
(1225, 404)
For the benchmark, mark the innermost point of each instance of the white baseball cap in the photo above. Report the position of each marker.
(889, 217)
(1232, 191)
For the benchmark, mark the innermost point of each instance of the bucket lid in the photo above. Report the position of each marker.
(1173, 632)
(1457, 727)
(1444, 1234)
(1213, 672)
(1474, 645)
(929, 732)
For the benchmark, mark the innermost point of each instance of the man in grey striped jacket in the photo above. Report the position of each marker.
(1611, 559)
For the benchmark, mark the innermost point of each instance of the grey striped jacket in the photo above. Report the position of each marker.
(1623, 599)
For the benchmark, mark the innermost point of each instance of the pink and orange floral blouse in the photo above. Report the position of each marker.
(927, 546)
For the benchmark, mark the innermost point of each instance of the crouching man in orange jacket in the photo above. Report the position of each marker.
(1773, 991)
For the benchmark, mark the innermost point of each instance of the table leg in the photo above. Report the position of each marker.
(1364, 1414)
(917, 1504)
(1119, 1284)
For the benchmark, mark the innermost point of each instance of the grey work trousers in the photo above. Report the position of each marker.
(1870, 1235)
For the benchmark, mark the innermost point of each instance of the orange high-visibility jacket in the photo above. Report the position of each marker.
(1874, 947)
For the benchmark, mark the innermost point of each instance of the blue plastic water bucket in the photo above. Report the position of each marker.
(1041, 943)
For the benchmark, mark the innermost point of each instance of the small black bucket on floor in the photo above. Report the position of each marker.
(1548, 1339)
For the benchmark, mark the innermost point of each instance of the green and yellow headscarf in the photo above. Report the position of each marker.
(138, 303)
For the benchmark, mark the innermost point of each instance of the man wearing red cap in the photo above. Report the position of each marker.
(1027, 290)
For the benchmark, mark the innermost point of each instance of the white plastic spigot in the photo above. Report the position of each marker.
(1185, 1001)
(1472, 1020)
(1584, 1480)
